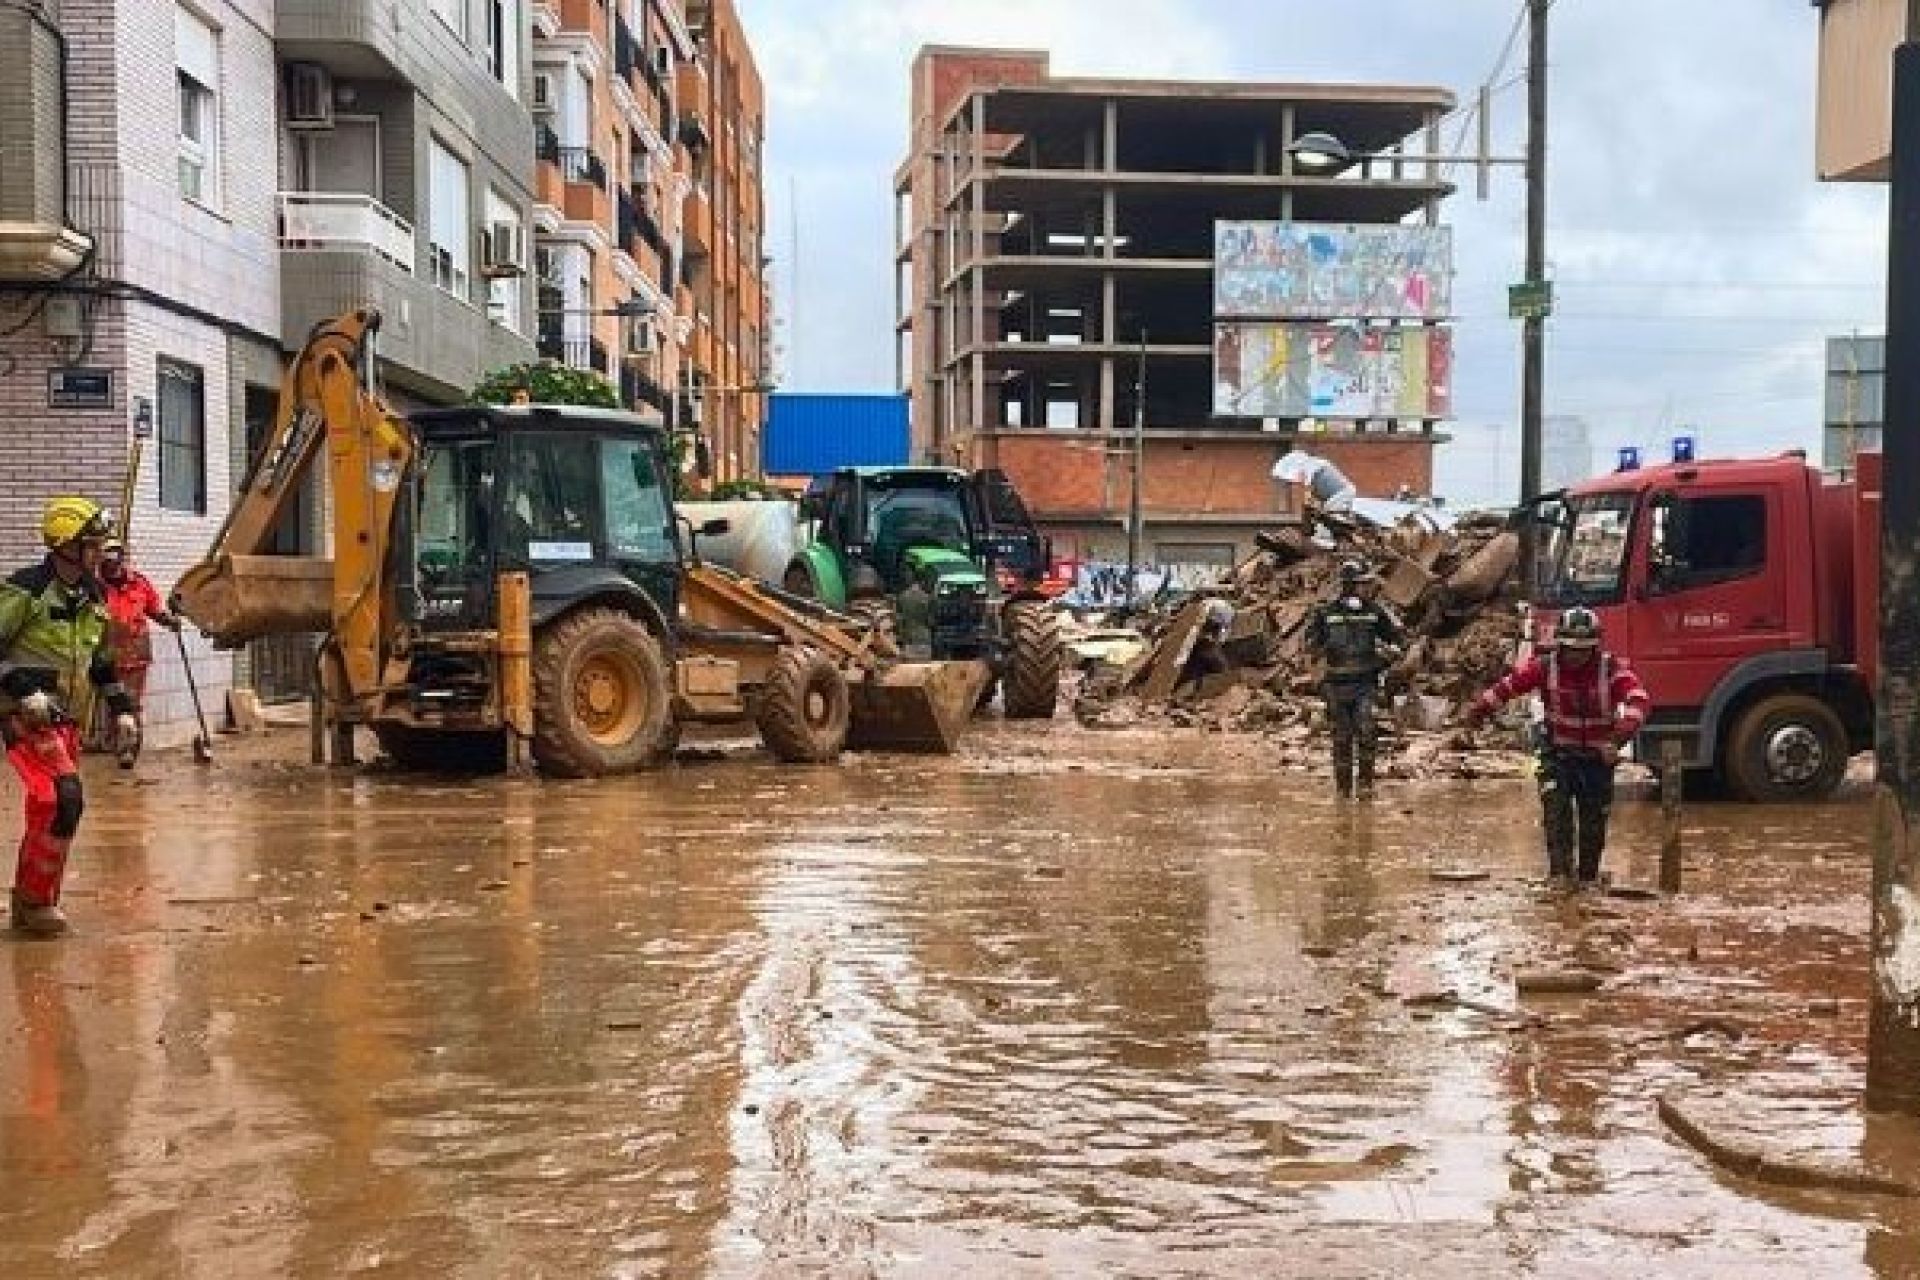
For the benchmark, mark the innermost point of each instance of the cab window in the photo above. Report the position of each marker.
(1700, 541)
(638, 527)
(552, 499)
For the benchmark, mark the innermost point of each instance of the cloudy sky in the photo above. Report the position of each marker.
(1697, 263)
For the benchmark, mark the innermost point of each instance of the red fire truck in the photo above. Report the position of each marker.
(1746, 594)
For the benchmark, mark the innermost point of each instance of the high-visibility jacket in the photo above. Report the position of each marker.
(131, 603)
(47, 626)
(1598, 705)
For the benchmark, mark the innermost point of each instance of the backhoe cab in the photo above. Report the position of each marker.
(955, 560)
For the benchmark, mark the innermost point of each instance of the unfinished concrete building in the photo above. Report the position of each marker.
(1047, 228)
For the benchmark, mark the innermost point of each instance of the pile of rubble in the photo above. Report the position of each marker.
(1454, 589)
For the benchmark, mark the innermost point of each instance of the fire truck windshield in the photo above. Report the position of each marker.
(1587, 553)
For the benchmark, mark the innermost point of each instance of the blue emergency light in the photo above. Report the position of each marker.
(1683, 448)
(1629, 459)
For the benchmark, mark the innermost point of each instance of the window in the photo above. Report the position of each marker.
(504, 291)
(453, 13)
(450, 222)
(197, 78)
(183, 438)
(551, 500)
(1587, 555)
(503, 43)
(638, 527)
(1697, 542)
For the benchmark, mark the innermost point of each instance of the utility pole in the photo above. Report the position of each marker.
(1139, 459)
(1893, 1037)
(1533, 325)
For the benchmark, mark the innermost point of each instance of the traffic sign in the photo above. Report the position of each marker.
(1530, 301)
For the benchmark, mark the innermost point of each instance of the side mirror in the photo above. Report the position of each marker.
(718, 527)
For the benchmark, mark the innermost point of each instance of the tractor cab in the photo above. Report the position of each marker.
(578, 498)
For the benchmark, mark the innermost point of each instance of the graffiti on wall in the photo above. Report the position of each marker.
(1331, 271)
(1264, 370)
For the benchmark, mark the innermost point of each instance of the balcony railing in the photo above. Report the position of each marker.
(629, 219)
(313, 221)
(580, 164)
(575, 353)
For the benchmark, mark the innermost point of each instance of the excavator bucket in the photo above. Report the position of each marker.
(916, 706)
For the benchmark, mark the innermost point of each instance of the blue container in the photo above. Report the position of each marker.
(811, 435)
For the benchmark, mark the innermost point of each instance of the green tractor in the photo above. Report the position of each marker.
(955, 559)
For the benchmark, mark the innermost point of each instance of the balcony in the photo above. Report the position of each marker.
(693, 128)
(580, 164)
(584, 195)
(330, 221)
(627, 53)
(576, 353)
(639, 388)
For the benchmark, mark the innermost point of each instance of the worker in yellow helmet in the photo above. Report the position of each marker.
(54, 658)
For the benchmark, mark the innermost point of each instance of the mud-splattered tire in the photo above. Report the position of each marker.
(1789, 747)
(805, 709)
(433, 751)
(1030, 686)
(600, 696)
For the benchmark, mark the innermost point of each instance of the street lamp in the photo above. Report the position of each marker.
(1320, 152)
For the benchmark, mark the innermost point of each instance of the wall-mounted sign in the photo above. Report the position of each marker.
(1357, 372)
(1331, 271)
(72, 388)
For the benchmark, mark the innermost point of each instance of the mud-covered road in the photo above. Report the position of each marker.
(1069, 1005)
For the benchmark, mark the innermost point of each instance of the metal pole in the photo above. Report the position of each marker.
(1533, 327)
(1672, 775)
(1139, 458)
(1893, 1036)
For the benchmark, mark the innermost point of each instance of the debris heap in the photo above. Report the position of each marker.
(1456, 591)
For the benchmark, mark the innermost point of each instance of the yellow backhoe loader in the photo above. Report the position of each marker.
(518, 575)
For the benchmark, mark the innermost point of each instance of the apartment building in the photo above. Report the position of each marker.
(197, 183)
(1056, 286)
(650, 122)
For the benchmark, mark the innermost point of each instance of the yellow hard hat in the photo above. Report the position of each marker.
(67, 519)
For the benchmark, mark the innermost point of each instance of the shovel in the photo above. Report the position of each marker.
(203, 741)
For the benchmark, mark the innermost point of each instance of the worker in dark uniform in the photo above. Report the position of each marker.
(1357, 638)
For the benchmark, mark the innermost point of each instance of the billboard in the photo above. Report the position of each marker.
(1330, 271)
(1266, 370)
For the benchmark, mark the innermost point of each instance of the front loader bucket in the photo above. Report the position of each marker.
(916, 706)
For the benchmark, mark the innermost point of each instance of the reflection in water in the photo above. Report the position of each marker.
(1058, 1006)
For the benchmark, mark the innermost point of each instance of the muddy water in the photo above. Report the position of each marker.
(1072, 1005)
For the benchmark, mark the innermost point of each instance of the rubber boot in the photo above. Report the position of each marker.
(37, 919)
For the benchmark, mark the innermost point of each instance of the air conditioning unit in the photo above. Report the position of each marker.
(309, 96)
(662, 61)
(503, 250)
(543, 95)
(641, 338)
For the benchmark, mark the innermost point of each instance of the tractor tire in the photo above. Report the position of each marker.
(600, 696)
(1784, 748)
(805, 710)
(418, 750)
(798, 580)
(1030, 686)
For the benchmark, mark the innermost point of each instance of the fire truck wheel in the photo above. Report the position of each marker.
(1786, 747)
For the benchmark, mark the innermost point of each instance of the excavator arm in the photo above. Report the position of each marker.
(239, 592)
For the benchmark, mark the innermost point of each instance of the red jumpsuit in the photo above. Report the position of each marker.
(132, 604)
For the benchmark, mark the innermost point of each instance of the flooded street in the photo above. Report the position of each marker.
(1069, 1005)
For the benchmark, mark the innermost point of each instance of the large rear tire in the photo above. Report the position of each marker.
(419, 750)
(1788, 747)
(1030, 686)
(805, 709)
(600, 696)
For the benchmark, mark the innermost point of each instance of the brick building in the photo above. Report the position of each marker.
(1044, 224)
(651, 123)
(196, 185)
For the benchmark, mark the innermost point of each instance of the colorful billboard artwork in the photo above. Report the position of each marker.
(1349, 372)
(1323, 271)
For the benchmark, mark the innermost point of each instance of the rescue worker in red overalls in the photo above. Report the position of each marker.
(132, 603)
(1594, 705)
(54, 657)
